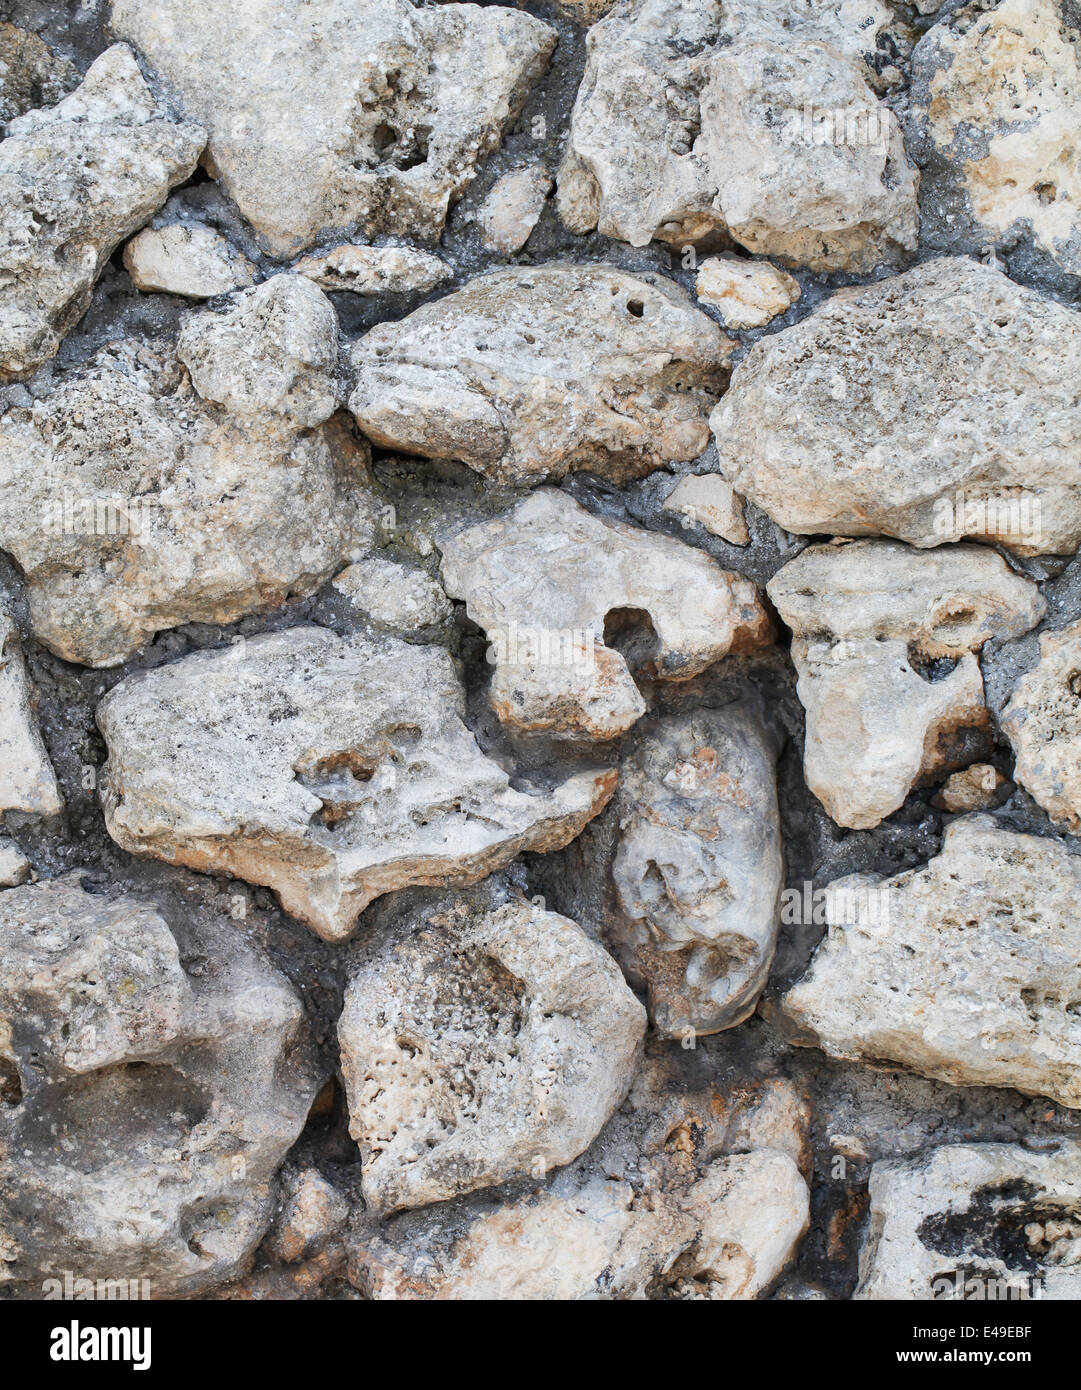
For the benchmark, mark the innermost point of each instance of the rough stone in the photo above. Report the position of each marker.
(188, 259)
(532, 371)
(695, 119)
(974, 788)
(557, 590)
(747, 294)
(727, 1235)
(870, 619)
(311, 1215)
(14, 865)
(156, 1073)
(965, 969)
(131, 505)
(994, 112)
(511, 210)
(699, 866)
(30, 75)
(394, 596)
(76, 179)
(480, 1043)
(27, 780)
(332, 770)
(975, 1221)
(1043, 724)
(707, 500)
(375, 270)
(334, 114)
(931, 406)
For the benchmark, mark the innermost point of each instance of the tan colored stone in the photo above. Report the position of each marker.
(185, 258)
(1043, 723)
(746, 293)
(706, 500)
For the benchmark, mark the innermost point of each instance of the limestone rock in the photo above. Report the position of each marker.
(752, 119)
(185, 258)
(330, 114)
(931, 406)
(75, 180)
(510, 211)
(157, 1072)
(995, 111)
(707, 500)
(557, 590)
(973, 788)
(699, 866)
(393, 595)
(14, 865)
(273, 350)
(727, 1235)
(332, 770)
(27, 780)
(967, 971)
(481, 1042)
(870, 619)
(747, 293)
(30, 75)
(313, 1213)
(132, 505)
(975, 1221)
(532, 371)
(1043, 723)
(375, 269)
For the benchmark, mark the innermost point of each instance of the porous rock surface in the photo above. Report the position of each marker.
(527, 373)
(699, 866)
(401, 102)
(1042, 723)
(920, 407)
(27, 780)
(159, 483)
(546, 583)
(185, 258)
(155, 1075)
(974, 1220)
(481, 1041)
(695, 119)
(75, 180)
(375, 269)
(968, 972)
(870, 620)
(330, 770)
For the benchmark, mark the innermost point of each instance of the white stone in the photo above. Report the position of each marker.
(967, 969)
(14, 865)
(1043, 723)
(864, 617)
(185, 258)
(547, 579)
(393, 595)
(375, 269)
(332, 770)
(511, 210)
(746, 293)
(27, 779)
(707, 500)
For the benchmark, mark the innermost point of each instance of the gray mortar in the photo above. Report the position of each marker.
(893, 1113)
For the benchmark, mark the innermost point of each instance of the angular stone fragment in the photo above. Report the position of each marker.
(968, 970)
(274, 350)
(375, 269)
(30, 75)
(481, 1042)
(510, 211)
(727, 1235)
(752, 119)
(394, 596)
(974, 788)
(557, 590)
(330, 114)
(312, 1213)
(155, 1072)
(75, 180)
(14, 865)
(27, 780)
(699, 866)
(995, 112)
(332, 770)
(185, 258)
(870, 620)
(132, 505)
(932, 406)
(706, 499)
(533, 371)
(1043, 723)
(747, 293)
(975, 1222)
